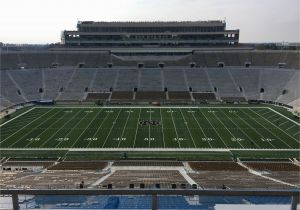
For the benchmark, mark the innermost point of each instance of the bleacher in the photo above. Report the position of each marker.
(201, 96)
(79, 165)
(122, 95)
(122, 178)
(284, 171)
(148, 163)
(217, 175)
(97, 96)
(150, 95)
(179, 95)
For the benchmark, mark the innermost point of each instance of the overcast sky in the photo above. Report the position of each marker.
(41, 21)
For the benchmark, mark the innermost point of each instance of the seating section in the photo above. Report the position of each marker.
(122, 95)
(233, 99)
(179, 95)
(284, 171)
(76, 84)
(204, 96)
(79, 165)
(97, 96)
(55, 179)
(217, 175)
(122, 179)
(44, 59)
(150, 95)
(148, 163)
(216, 166)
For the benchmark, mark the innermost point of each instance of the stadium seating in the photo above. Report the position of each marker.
(216, 175)
(122, 179)
(97, 96)
(122, 95)
(150, 95)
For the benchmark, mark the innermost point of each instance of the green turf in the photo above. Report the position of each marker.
(207, 128)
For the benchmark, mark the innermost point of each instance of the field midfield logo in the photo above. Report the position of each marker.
(149, 122)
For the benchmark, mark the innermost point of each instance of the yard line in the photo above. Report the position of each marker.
(285, 123)
(269, 117)
(74, 126)
(291, 127)
(25, 126)
(95, 134)
(46, 129)
(124, 128)
(34, 129)
(175, 129)
(200, 128)
(253, 128)
(283, 116)
(188, 128)
(213, 128)
(111, 128)
(278, 127)
(149, 131)
(269, 131)
(17, 117)
(240, 128)
(86, 128)
(137, 127)
(296, 133)
(265, 113)
(162, 128)
(59, 129)
(226, 128)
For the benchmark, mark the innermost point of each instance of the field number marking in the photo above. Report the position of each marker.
(33, 139)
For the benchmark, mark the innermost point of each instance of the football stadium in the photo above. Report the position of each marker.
(149, 115)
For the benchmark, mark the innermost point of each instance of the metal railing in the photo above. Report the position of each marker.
(294, 194)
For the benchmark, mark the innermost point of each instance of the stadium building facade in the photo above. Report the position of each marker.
(151, 34)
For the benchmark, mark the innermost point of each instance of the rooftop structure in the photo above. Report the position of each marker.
(151, 34)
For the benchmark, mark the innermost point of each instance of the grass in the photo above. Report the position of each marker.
(197, 129)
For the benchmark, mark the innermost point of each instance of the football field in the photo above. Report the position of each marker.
(155, 127)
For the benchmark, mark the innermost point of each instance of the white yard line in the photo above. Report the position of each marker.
(296, 133)
(111, 128)
(283, 116)
(227, 129)
(188, 128)
(74, 126)
(44, 130)
(240, 128)
(147, 149)
(17, 116)
(59, 129)
(268, 131)
(162, 128)
(152, 107)
(255, 129)
(86, 128)
(34, 129)
(175, 128)
(25, 126)
(137, 127)
(214, 129)
(95, 134)
(149, 138)
(291, 127)
(201, 128)
(278, 128)
(124, 128)
(285, 123)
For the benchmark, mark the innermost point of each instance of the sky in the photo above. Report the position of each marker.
(42, 21)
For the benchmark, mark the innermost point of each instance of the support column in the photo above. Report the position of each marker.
(295, 201)
(154, 202)
(15, 201)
